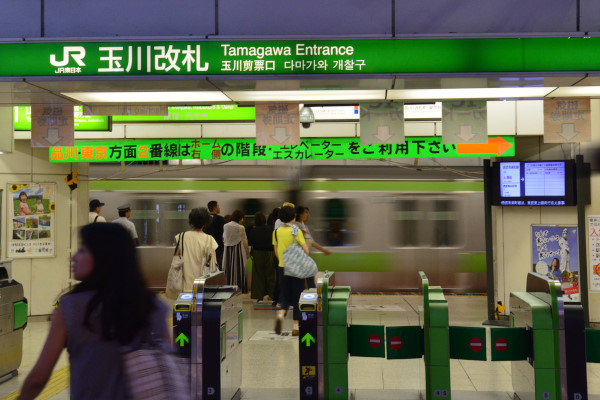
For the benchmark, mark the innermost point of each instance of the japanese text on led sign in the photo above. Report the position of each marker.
(247, 149)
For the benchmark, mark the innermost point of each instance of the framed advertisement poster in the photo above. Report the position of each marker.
(594, 250)
(31, 220)
(555, 254)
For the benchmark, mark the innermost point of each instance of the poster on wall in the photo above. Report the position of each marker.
(555, 254)
(31, 220)
(594, 250)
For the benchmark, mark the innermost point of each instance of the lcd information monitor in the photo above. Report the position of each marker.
(534, 183)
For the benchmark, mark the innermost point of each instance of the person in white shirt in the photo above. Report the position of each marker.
(199, 257)
(95, 206)
(124, 214)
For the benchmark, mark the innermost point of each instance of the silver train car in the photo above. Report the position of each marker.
(382, 224)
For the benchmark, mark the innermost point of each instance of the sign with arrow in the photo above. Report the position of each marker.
(381, 123)
(567, 121)
(52, 125)
(464, 122)
(277, 124)
(307, 338)
(495, 146)
(181, 340)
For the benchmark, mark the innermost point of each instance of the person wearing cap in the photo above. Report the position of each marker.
(95, 206)
(124, 214)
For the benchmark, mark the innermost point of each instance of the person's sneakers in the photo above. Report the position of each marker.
(278, 324)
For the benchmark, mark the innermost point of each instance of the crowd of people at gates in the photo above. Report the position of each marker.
(99, 333)
(226, 240)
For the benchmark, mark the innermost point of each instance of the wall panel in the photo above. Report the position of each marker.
(475, 16)
(87, 18)
(20, 19)
(309, 17)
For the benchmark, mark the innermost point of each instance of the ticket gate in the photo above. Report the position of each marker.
(554, 364)
(208, 330)
(13, 319)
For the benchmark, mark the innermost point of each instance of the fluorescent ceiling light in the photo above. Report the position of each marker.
(473, 93)
(306, 95)
(148, 97)
(576, 91)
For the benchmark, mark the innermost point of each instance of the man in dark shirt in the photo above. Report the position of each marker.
(215, 229)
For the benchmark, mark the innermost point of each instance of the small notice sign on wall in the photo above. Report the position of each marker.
(277, 124)
(567, 121)
(464, 122)
(381, 123)
(52, 125)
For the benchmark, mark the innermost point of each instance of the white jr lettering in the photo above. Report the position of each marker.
(76, 52)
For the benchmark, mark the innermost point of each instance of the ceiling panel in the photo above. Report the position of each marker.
(23, 93)
(124, 85)
(48, 91)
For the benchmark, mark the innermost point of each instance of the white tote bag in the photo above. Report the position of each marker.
(175, 276)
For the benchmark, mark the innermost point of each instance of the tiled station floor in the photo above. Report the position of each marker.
(270, 363)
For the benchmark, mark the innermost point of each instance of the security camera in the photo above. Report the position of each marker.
(307, 117)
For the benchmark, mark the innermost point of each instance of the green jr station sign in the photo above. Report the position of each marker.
(306, 57)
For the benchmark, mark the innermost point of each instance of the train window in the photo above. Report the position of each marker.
(251, 207)
(334, 222)
(157, 221)
(409, 223)
(444, 218)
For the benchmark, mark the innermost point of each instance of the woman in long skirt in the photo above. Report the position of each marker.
(260, 237)
(235, 254)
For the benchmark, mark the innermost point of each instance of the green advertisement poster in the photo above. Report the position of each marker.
(246, 149)
(22, 120)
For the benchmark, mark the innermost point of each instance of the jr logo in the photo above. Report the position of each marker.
(76, 52)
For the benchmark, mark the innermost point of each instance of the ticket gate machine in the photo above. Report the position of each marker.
(208, 329)
(13, 319)
(555, 366)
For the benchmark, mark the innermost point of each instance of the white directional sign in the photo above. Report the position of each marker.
(464, 121)
(52, 125)
(567, 121)
(277, 124)
(381, 123)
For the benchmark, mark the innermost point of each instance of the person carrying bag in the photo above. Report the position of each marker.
(293, 264)
(152, 372)
(297, 263)
(199, 256)
(175, 276)
(115, 330)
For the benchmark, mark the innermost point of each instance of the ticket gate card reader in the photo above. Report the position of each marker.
(310, 343)
(207, 328)
(13, 320)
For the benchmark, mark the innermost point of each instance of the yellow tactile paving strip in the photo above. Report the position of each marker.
(59, 381)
